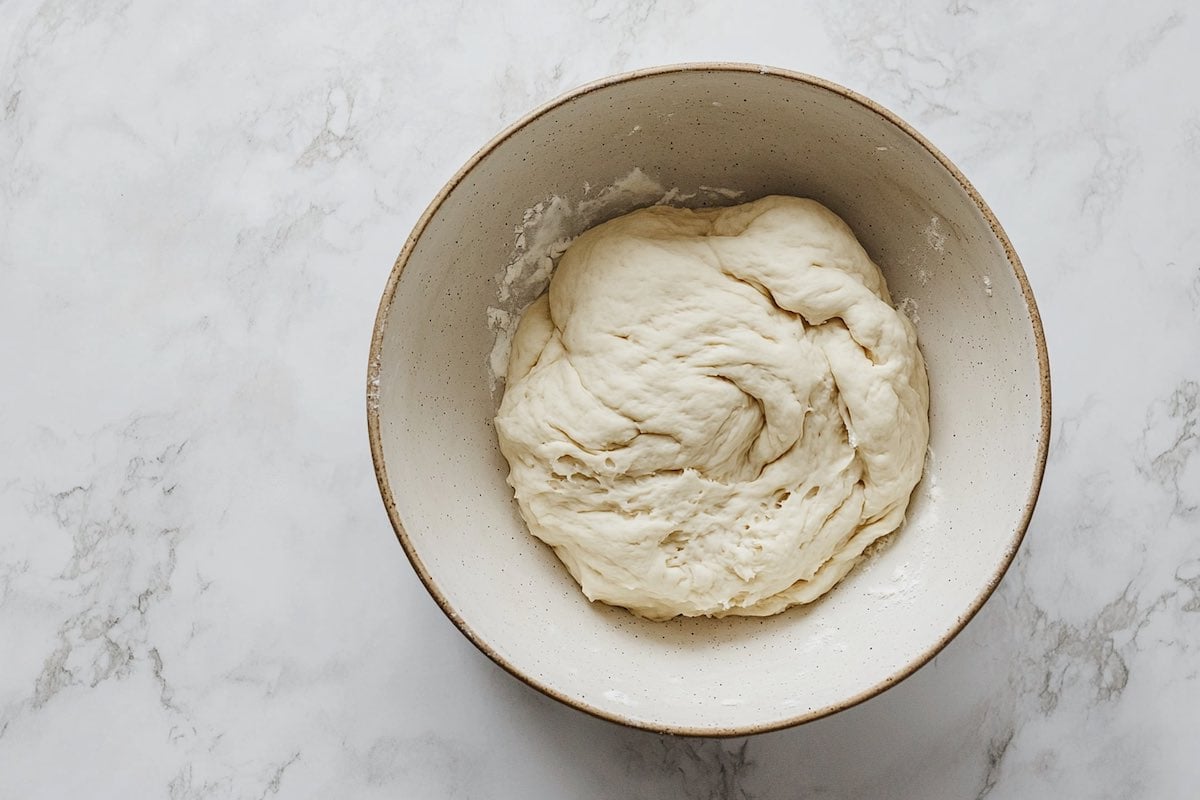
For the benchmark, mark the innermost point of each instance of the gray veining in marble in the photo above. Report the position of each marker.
(200, 595)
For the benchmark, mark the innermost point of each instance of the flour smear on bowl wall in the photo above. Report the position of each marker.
(432, 396)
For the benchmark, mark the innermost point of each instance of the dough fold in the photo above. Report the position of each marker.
(714, 412)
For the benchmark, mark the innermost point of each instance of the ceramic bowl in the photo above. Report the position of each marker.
(757, 131)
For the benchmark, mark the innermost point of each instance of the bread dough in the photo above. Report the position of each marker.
(714, 412)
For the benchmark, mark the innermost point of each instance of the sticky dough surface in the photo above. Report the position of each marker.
(714, 412)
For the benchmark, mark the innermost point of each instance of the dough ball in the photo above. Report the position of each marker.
(714, 412)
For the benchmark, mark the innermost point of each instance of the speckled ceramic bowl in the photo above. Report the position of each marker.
(761, 131)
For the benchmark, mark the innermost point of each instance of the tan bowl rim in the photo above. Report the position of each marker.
(373, 422)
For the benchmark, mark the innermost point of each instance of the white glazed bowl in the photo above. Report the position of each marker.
(762, 131)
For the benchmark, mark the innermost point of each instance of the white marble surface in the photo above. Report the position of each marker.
(200, 594)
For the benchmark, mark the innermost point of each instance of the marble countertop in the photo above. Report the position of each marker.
(200, 593)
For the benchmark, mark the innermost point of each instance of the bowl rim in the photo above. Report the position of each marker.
(375, 364)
